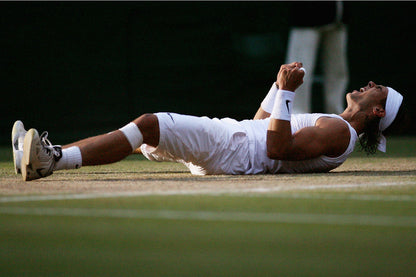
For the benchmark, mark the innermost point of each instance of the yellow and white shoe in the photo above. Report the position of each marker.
(39, 156)
(18, 136)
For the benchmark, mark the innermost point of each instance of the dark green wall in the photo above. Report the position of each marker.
(81, 68)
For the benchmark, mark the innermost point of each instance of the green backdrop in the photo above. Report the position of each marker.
(81, 68)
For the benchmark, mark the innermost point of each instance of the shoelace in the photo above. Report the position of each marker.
(49, 148)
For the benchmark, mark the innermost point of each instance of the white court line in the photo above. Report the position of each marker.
(294, 218)
(357, 197)
(233, 191)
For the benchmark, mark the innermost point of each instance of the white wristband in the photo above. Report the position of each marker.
(268, 101)
(283, 105)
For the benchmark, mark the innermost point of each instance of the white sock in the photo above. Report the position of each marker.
(133, 135)
(71, 159)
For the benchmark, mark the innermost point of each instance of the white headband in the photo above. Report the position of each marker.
(393, 102)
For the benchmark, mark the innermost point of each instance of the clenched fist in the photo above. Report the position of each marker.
(290, 76)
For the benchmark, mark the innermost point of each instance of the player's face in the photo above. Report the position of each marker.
(368, 95)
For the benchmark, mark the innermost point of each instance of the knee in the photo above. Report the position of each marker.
(149, 127)
(146, 118)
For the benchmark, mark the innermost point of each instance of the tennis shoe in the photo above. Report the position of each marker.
(39, 156)
(18, 136)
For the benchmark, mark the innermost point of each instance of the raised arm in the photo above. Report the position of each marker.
(329, 136)
(267, 104)
(261, 114)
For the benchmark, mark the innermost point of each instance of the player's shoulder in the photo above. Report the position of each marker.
(336, 133)
(333, 124)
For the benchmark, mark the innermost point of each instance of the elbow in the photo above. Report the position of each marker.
(279, 146)
(277, 153)
(271, 155)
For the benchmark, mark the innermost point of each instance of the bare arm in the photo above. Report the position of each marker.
(267, 104)
(261, 114)
(330, 137)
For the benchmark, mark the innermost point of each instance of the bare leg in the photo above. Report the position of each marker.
(114, 146)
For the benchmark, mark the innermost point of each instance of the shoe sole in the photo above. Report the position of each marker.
(29, 155)
(16, 126)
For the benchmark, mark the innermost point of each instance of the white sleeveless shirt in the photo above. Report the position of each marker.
(260, 163)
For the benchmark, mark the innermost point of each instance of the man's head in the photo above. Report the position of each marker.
(370, 99)
(380, 105)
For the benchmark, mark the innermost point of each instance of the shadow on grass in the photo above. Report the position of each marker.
(132, 176)
(374, 173)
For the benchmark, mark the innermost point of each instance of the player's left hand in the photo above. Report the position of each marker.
(290, 76)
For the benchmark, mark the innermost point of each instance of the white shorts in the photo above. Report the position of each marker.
(204, 145)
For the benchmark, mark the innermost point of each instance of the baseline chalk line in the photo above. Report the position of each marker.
(251, 217)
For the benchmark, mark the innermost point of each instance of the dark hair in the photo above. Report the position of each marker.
(401, 123)
(369, 139)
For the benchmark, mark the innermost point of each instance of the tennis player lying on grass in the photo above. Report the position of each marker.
(275, 141)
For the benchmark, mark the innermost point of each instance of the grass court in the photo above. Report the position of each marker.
(141, 218)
